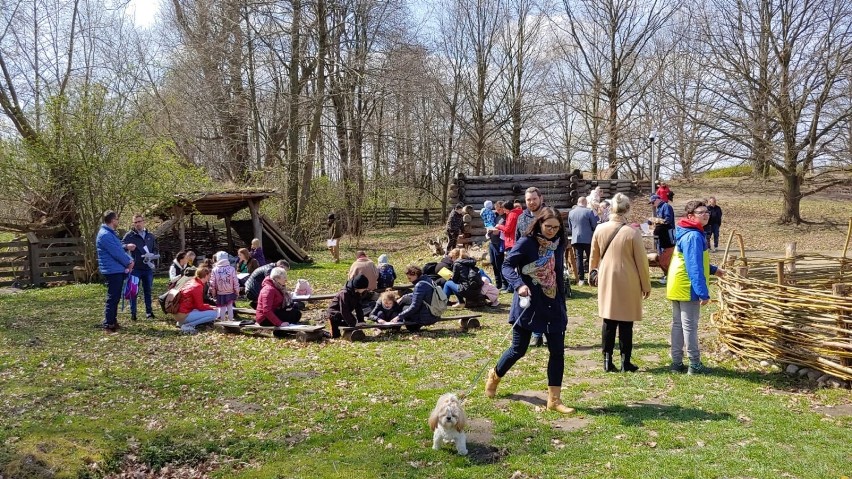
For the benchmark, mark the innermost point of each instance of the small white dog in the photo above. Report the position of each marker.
(447, 422)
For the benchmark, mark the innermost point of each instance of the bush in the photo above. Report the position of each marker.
(730, 172)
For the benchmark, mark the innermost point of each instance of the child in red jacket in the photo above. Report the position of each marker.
(192, 310)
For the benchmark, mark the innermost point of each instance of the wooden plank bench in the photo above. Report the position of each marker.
(303, 332)
(356, 333)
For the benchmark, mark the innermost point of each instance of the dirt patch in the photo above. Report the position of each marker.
(10, 291)
(587, 364)
(479, 431)
(461, 355)
(484, 454)
(650, 358)
(132, 467)
(239, 407)
(571, 424)
(843, 410)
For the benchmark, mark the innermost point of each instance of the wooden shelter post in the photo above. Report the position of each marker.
(254, 209)
(177, 212)
(228, 234)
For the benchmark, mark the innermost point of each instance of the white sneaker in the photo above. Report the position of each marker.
(581, 283)
(187, 329)
(663, 280)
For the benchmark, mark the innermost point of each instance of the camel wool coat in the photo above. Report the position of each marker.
(623, 274)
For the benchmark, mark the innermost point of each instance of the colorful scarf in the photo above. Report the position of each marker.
(543, 270)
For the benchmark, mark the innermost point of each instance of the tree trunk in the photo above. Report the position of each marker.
(792, 194)
(293, 122)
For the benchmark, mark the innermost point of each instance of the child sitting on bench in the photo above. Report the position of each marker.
(275, 304)
(387, 308)
(345, 307)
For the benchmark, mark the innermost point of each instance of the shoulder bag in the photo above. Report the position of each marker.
(593, 274)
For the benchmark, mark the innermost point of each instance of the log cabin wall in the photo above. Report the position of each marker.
(560, 190)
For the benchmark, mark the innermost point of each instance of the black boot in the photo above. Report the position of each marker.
(626, 365)
(609, 367)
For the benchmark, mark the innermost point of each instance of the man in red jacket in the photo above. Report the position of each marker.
(508, 229)
(192, 310)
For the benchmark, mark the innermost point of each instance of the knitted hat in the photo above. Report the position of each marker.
(360, 282)
(383, 259)
(488, 204)
(221, 255)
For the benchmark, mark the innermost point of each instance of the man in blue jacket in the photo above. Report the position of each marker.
(583, 222)
(664, 232)
(114, 263)
(144, 253)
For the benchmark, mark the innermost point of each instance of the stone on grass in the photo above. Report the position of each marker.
(836, 383)
(814, 375)
(803, 372)
(765, 363)
(791, 369)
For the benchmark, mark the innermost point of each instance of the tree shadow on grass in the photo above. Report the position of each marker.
(774, 380)
(405, 335)
(635, 414)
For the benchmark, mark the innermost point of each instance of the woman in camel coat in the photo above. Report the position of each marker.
(623, 281)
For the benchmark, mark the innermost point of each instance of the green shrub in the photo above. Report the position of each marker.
(730, 172)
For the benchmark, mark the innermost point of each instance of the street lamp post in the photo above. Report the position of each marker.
(651, 138)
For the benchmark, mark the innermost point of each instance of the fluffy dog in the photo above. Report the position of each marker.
(447, 422)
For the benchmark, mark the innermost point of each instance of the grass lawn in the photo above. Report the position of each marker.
(78, 403)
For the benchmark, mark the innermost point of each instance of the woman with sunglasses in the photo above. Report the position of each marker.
(688, 287)
(534, 269)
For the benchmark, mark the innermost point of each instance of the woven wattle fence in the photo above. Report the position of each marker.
(796, 309)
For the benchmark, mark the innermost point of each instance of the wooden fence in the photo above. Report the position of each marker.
(37, 261)
(391, 217)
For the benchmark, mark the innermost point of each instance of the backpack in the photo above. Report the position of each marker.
(386, 276)
(170, 301)
(437, 304)
(131, 289)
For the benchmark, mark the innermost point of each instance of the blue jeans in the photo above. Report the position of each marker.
(196, 317)
(582, 252)
(146, 283)
(114, 284)
(520, 343)
(712, 230)
(451, 287)
(497, 257)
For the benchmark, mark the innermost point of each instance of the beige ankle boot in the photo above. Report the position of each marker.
(491, 384)
(554, 401)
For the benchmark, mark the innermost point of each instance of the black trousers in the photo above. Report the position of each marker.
(625, 336)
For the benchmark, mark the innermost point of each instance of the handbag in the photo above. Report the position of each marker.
(593, 274)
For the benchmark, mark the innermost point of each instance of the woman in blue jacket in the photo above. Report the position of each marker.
(534, 269)
(417, 310)
(114, 263)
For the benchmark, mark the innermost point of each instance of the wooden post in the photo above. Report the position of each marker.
(781, 273)
(178, 214)
(254, 209)
(33, 251)
(791, 257)
(426, 217)
(742, 271)
(843, 319)
(228, 234)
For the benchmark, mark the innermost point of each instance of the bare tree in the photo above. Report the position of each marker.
(610, 36)
(798, 56)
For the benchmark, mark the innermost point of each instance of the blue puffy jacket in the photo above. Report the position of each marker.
(417, 311)
(112, 258)
(544, 315)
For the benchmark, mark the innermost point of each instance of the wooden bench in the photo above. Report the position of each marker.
(303, 332)
(356, 333)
